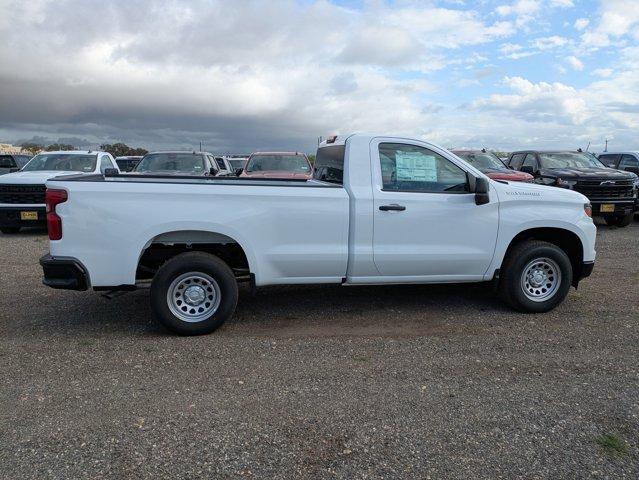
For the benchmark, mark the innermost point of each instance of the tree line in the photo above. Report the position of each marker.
(115, 149)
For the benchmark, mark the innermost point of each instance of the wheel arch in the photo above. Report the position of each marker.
(165, 244)
(568, 240)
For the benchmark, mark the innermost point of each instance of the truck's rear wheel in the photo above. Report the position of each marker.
(536, 276)
(194, 293)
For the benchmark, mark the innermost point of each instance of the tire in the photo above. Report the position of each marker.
(533, 294)
(620, 221)
(193, 293)
(626, 220)
(9, 230)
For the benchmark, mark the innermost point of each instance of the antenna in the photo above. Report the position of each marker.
(588, 146)
(200, 145)
(606, 149)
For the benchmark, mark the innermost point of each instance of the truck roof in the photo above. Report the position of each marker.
(620, 152)
(275, 153)
(75, 152)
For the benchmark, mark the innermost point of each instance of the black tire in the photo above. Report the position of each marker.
(620, 221)
(626, 220)
(517, 259)
(9, 230)
(196, 263)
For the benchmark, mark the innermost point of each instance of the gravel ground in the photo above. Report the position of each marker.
(322, 382)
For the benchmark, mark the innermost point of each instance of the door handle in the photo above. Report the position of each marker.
(394, 207)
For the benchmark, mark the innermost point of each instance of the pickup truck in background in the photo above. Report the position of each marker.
(392, 210)
(612, 193)
(280, 165)
(183, 163)
(22, 194)
(492, 166)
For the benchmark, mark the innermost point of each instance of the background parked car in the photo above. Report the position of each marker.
(612, 193)
(128, 163)
(11, 162)
(489, 164)
(22, 194)
(288, 165)
(628, 161)
(181, 163)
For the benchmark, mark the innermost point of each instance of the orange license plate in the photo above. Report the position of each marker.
(28, 215)
(607, 208)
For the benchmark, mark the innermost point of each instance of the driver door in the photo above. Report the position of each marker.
(426, 222)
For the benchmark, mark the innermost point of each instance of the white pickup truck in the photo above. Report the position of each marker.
(380, 210)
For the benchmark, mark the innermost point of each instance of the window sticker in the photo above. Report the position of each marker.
(415, 167)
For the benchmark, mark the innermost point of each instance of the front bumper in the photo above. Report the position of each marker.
(10, 216)
(65, 273)
(622, 208)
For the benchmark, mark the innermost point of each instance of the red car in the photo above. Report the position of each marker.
(489, 164)
(286, 165)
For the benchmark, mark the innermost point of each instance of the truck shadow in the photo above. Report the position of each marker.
(308, 310)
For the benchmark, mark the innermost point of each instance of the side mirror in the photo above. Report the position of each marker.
(212, 171)
(111, 172)
(238, 172)
(528, 169)
(482, 187)
(632, 169)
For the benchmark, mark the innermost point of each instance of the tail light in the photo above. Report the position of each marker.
(54, 222)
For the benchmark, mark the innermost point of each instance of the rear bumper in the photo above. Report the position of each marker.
(622, 207)
(10, 216)
(65, 273)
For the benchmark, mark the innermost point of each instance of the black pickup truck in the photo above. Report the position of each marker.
(612, 193)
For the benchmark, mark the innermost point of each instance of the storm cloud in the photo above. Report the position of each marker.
(246, 75)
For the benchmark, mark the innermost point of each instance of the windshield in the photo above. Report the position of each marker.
(172, 162)
(280, 163)
(482, 160)
(569, 160)
(62, 161)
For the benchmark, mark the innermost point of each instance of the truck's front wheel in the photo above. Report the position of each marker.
(620, 221)
(194, 293)
(535, 277)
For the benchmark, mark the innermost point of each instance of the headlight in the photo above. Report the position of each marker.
(565, 183)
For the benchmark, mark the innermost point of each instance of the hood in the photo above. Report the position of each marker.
(35, 177)
(588, 173)
(508, 175)
(536, 192)
(277, 174)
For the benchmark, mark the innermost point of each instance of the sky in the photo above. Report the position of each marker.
(248, 75)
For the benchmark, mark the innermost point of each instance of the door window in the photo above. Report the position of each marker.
(409, 168)
(516, 160)
(531, 161)
(628, 161)
(105, 162)
(609, 160)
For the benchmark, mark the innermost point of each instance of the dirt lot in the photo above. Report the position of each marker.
(322, 382)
